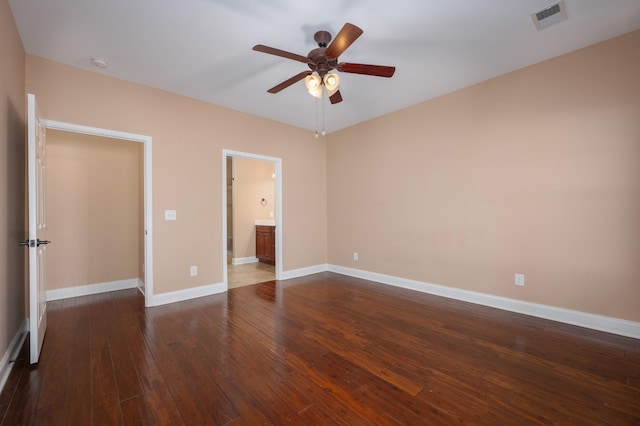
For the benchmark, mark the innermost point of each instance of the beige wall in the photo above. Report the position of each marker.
(93, 197)
(534, 172)
(12, 179)
(188, 139)
(252, 182)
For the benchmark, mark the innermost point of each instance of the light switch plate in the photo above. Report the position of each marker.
(170, 215)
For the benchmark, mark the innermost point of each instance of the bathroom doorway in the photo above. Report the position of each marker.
(252, 212)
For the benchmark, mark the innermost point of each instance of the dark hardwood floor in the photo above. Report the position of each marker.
(324, 349)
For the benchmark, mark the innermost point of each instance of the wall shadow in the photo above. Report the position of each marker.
(16, 225)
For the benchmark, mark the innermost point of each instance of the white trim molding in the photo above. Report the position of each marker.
(581, 319)
(187, 294)
(148, 186)
(243, 260)
(140, 285)
(302, 272)
(89, 289)
(277, 165)
(6, 364)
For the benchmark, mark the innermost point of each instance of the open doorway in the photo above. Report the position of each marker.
(252, 218)
(94, 214)
(143, 199)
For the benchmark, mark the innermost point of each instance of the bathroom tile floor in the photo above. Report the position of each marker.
(250, 273)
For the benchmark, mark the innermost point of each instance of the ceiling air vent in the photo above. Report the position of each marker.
(550, 15)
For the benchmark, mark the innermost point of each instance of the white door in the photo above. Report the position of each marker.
(37, 242)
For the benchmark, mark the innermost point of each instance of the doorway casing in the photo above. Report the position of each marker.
(148, 204)
(277, 165)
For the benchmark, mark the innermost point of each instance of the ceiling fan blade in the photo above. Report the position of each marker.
(335, 98)
(289, 82)
(281, 53)
(347, 35)
(375, 70)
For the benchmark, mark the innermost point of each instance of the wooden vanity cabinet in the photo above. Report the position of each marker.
(266, 244)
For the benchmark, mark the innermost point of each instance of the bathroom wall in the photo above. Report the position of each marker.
(252, 183)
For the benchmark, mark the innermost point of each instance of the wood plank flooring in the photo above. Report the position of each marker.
(324, 349)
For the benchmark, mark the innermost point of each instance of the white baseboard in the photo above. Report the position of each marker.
(141, 286)
(86, 290)
(581, 319)
(12, 352)
(296, 273)
(244, 260)
(186, 294)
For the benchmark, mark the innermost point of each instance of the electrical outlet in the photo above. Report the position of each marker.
(170, 215)
(355, 255)
(193, 271)
(520, 280)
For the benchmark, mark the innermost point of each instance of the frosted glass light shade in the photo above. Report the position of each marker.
(312, 82)
(314, 85)
(331, 82)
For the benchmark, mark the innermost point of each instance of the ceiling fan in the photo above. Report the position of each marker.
(323, 60)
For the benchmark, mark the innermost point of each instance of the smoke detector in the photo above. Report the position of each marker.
(552, 14)
(99, 63)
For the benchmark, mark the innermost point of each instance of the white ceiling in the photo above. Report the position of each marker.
(202, 48)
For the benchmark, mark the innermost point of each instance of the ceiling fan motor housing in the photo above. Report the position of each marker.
(319, 61)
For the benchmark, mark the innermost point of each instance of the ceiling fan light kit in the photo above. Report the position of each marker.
(314, 84)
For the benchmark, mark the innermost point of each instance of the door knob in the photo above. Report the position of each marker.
(33, 243)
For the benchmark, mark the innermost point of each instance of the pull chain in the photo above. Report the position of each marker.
(323, 132)
(316, 135)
